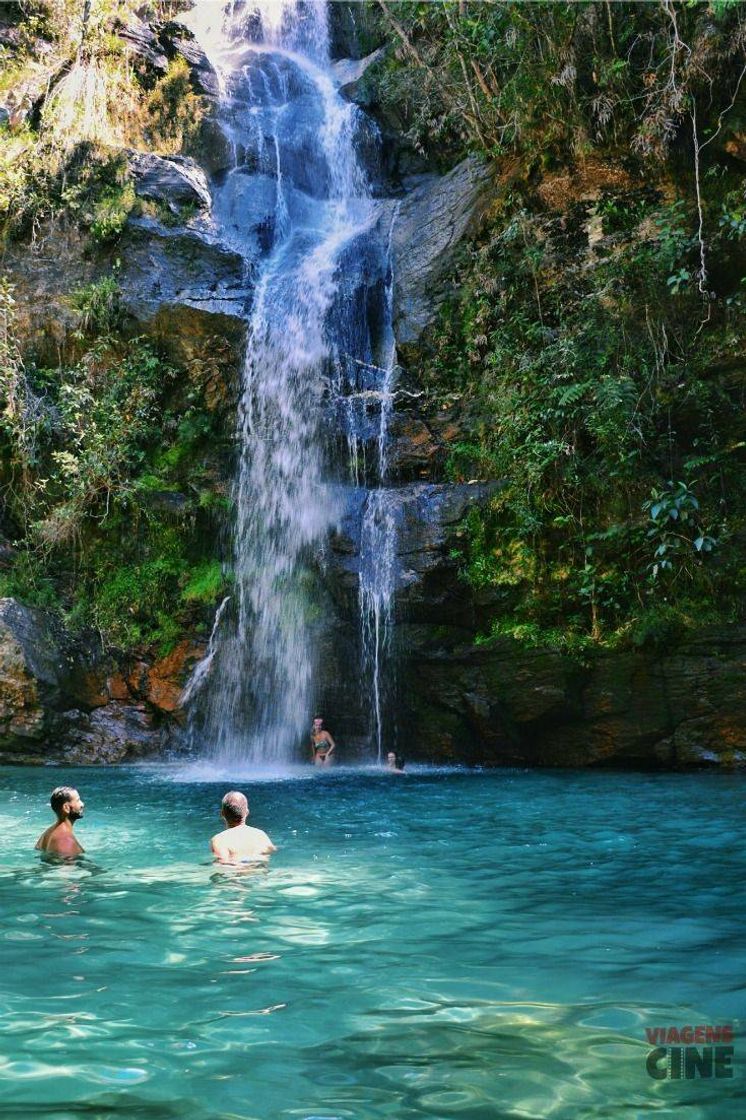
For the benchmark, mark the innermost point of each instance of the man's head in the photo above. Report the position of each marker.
(66, 803)
(235, 808)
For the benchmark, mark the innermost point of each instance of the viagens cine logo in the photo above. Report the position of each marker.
(690, 1052)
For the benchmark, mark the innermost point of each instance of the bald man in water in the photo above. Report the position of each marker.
(58, 839)
(239, 843)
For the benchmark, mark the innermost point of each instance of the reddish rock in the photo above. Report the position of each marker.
(167, 676)
(137, 678)
(117, 687)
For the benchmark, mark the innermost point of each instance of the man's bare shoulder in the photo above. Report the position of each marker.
(261, 837)
(59, 843)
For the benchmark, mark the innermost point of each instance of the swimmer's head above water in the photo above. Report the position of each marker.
(234, 808)
(66, 803)
(239, 842)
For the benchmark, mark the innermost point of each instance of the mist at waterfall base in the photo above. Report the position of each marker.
(317, 381)
(440, 945)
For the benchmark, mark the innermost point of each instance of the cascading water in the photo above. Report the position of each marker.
(298, 206)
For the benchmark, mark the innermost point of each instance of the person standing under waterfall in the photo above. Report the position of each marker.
(322, 744)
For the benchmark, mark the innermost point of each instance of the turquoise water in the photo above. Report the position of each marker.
(474, 945)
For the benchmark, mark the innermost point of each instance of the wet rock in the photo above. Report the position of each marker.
(503, 704)
(414, 449)
(348, 73)
(109, 735)
(175, 180)
(165, 679)
(426, 520)
(246, 209)
(32, 672)
(164, 267)
(213, 149)
(353, 30)
(430, 224)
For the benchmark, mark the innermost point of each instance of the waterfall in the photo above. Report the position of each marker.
(298, 205)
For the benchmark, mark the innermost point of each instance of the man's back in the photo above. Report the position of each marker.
(241, 844)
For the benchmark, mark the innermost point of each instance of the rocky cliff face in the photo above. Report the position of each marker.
(65, 699)
(500, 704)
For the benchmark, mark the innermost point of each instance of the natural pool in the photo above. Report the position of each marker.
(443, 944)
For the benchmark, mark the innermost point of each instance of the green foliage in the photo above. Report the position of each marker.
(27, 578)
(86, 449)
(98, 304)
(675, 534)
(174, 111)
(111, 212)
(584, 379)
(553, 80)
(205, 584)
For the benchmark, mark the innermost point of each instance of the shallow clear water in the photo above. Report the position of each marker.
(432, 945)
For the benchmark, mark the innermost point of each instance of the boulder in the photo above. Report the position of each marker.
(66, 700)
(175, 180)
(429, 225)
(117, 733)
(163, 267)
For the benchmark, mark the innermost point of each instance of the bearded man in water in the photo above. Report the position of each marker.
(58, 839)
(239, 843)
